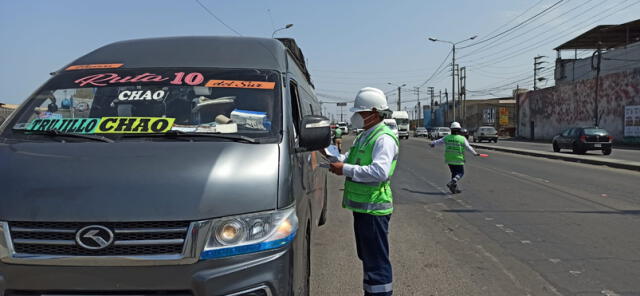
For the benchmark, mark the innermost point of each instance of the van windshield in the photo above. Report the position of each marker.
(402, 121)
(112, 102)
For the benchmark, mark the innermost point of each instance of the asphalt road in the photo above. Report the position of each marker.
(522, 226)
(622, 154)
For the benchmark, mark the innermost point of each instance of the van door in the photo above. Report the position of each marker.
(302, 171)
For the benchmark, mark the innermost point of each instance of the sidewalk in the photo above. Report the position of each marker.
(619, 158)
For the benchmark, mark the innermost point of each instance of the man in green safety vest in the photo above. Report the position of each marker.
(368, 167)
(337, 138)
(455, 144)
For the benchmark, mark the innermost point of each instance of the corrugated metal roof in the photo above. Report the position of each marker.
(194, 51)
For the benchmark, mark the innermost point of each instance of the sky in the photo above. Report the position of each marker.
(348, 44)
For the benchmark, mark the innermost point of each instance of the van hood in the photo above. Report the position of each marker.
(136, 181)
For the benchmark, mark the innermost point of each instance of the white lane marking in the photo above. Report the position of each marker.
(526, 241)
(575, 272)
(488, 218)
(509, 230)
(609, 293)
(554, 260)
(499, 225)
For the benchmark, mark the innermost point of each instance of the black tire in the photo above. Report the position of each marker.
(495, 140)
(475, 140)
(556, 148)
(606, 151)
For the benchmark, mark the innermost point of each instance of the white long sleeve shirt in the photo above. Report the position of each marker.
(385, 150)
(466, 145)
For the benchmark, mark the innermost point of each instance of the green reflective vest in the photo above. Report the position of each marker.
(338, 133)
(369, 198)
(454, 149)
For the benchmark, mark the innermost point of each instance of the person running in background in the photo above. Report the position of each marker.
(455, 144)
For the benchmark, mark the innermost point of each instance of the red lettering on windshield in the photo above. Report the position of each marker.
(104, 79)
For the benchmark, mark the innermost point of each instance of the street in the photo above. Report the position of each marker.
(521, 226)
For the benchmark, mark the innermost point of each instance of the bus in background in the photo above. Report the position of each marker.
(402, 119)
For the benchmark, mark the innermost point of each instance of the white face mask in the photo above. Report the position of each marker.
(357, 121)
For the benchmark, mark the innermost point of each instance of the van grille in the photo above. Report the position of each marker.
(130, 238)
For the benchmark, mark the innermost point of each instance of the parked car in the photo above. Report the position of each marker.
(583, 139)
(485, 133)
(164, 194)
(391, 123)
(440, 132)
(420, 132)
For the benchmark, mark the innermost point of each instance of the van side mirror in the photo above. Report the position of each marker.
(315, 133)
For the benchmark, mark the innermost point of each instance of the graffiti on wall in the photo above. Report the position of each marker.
(555, 108)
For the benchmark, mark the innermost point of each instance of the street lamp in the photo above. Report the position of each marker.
(284, 28)
(453, 66)
(399, 87)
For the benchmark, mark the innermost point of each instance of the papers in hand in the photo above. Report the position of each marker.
(332, 153)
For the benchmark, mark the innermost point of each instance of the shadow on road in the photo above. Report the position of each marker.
(424, 192)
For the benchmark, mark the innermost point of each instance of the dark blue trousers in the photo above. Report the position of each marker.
(457, 171)
(372, 245)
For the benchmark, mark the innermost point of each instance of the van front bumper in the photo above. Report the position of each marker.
(264, 273)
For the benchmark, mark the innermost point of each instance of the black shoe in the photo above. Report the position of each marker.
(452, 187)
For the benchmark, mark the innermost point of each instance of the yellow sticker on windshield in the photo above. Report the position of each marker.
(94, 66)
(241, 84)
(134, 125)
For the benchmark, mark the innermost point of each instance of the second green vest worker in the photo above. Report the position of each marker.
(368, 167)
(455, 144)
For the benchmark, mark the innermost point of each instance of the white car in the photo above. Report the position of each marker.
(441, 132)
(345, 128)
(391, 123)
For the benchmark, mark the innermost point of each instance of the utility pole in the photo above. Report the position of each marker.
(463, 92)
(598, 54)
(453, 79)
(536, 68)
(399, 97)
(430, 89)
(439, 98)
(446, 111)
(418, 94)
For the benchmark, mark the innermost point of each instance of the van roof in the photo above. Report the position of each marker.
(193, 51)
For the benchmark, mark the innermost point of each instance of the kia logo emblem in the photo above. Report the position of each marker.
(94, 237)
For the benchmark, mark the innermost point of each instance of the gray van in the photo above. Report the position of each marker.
(166, 166)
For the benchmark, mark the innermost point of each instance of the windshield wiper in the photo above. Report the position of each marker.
(57, 133)
(178, 134)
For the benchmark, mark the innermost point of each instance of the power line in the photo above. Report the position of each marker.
(437, 69)
(514, 27)
(217, 18)
(528, 47)
(491, 45)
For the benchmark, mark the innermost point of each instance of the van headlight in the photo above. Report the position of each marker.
(250, 233)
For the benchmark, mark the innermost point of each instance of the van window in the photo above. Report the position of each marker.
(295, 106)
(122, 101)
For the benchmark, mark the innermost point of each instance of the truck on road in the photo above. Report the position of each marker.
(402, 119)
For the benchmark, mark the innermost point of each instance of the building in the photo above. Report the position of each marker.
(600, 90)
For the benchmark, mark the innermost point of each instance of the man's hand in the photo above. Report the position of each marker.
(336, 168)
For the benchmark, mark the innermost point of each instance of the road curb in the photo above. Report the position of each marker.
(620, 164)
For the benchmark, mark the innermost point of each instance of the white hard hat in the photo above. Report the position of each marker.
(455, 124)
(369, 98)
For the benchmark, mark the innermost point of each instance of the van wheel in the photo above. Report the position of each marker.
(606, 151)
(495, 140)
(556, 148)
